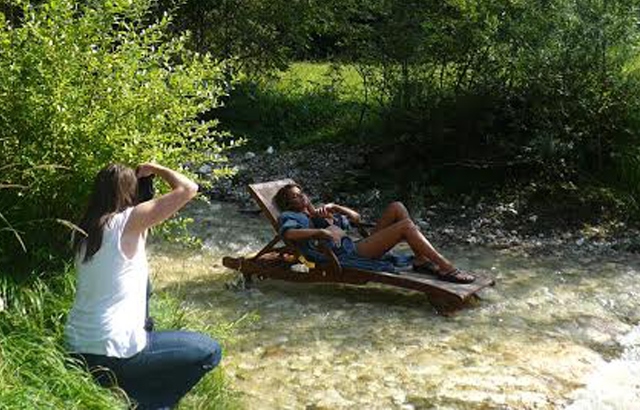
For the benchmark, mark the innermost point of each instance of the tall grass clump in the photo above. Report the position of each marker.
(83, 84)
(35, 370)
(37, 373)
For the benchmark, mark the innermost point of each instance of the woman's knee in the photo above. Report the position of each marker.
(209, 350)
(399, 209)
(200, 349)
(405, 227)
(215, 355)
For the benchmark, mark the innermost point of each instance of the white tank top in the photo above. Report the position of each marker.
(109, 310)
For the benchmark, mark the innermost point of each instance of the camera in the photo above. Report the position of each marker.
(145, 188)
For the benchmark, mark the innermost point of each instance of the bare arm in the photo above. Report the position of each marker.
(304, 234)
(325, 211)
(152, 212)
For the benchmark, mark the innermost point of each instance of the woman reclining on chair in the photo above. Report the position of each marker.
(301, 222)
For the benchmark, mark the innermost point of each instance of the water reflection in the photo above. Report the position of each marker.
(546, 337)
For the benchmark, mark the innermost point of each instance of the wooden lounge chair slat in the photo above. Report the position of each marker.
(263, 193)
(271, 263)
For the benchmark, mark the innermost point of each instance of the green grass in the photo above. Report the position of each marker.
(37, 373)
(307, 104)
(35, 370)
(305, 77)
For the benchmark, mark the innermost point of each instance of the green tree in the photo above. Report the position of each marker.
(83, 84)
(258, 35)
(545, 81)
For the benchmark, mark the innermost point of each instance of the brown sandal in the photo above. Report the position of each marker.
(457, 276)
(454, 275)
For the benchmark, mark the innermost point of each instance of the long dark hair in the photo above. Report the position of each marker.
(282, 197)
(114, 190)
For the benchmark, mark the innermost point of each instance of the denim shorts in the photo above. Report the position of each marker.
(347, 247)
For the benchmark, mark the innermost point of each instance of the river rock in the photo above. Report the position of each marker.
(330, 399)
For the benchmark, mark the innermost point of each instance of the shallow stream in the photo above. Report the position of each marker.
(557, 331)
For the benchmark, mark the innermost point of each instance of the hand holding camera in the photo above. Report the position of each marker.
(147, 171)
(145, 174)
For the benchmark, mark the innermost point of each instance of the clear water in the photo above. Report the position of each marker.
(555, 332)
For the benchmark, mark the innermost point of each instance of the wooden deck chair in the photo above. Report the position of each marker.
(273, 262)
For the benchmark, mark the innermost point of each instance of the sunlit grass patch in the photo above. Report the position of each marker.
(306, 104)
(305, 77)
(35, 370)
(186, 286)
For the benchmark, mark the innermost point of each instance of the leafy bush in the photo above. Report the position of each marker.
(260, 35)
(81, 85)
(547, 82)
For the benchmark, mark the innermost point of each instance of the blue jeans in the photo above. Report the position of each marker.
(163, 372)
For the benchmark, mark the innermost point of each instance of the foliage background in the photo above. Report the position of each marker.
(544, 88)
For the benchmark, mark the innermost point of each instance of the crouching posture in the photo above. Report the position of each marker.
(300, 221)
(106, 326)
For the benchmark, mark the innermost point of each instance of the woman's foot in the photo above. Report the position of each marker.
(428, 268)
(454, 275)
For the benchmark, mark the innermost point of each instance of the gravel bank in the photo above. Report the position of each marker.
(332, 173)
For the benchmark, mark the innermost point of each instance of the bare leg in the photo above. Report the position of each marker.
(383, 239)
(394, 212)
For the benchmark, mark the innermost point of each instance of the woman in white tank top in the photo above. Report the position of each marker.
(106, 325)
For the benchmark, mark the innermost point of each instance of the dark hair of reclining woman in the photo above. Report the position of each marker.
(302, 222)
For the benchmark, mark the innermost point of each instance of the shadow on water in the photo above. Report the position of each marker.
(532, 342)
